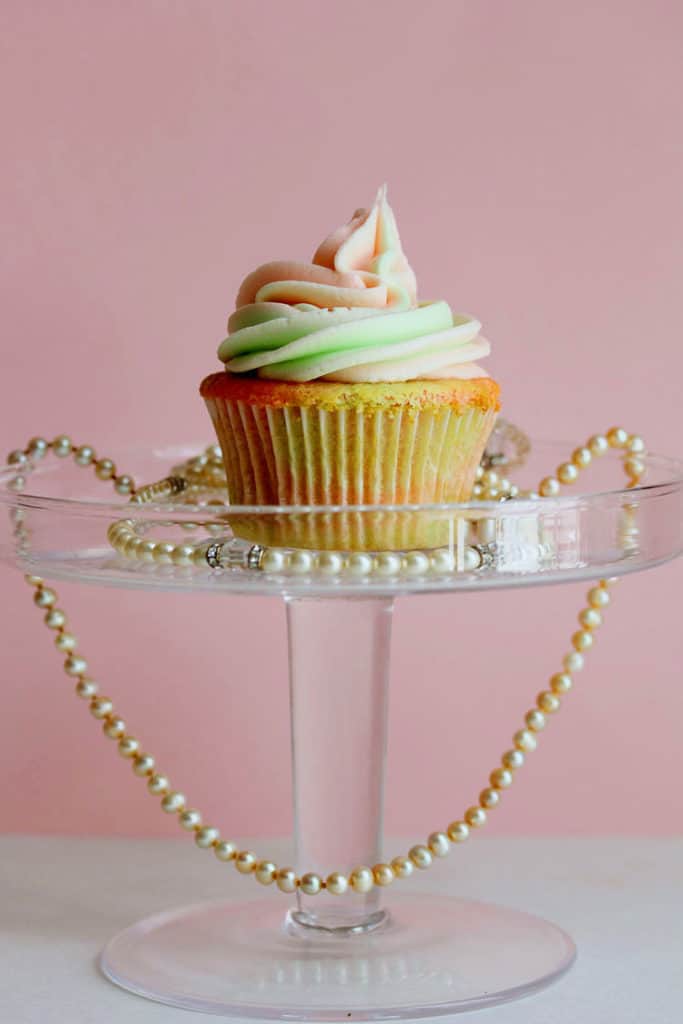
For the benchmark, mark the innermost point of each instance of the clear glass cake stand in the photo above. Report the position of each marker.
(386, 954)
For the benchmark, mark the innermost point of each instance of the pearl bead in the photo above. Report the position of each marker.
(634, 467)
(329, 563)
(361, 880)
(617, 437)
(129, 544)
(337, 883)
(272, 560)
(17, 484)
(128, 746)
(489, 798)
(123, 484)
(535, 720)
(415, 563)
(597, 444)
(206, 836)
(158, 784)
(438, 844)
(190, 820)
(402, 867)
(74, 665)
(265, 872)
(300, 562)
(101, 707)
(224, 850)
(105, 469)
(34, 581)
(114, 727)
(387, 564)
(359, 564)
(512, 759)
(182, 554)
(172, 803)
(17, 458)
(473, 559)
(524, 741)
(421, 857)
(44, 597)
(442, 561)
(65, 642)
(143, 764)
(245, 862)
(86, 689)
(37, 447)
(567, 473)
(146, 550)
(598, 597)
(573, 662)
(55, 618)
(84, 455)
(310, 884)
(548, 702)
(61, 446)
(549, 487)
(475, 817)
(285, 879)
(383, 874)
(582, 640)
(561, 683)
(501, 778)
(590, 618)
(582, 457)
(162, 552)
(635, 444)
(458, 832)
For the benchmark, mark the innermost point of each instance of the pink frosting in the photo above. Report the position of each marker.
(360, 264)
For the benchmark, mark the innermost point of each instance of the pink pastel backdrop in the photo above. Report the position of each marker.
(153, 152)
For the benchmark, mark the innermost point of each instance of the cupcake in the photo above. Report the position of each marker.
(341, 389)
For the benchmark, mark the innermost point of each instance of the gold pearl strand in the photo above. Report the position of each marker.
(421, 856)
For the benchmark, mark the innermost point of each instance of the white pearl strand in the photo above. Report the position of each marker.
(421, 856)
(128, 536)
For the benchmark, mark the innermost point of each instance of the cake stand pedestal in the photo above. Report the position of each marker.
(382, 955)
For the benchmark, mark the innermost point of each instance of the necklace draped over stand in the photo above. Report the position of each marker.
(339, 605)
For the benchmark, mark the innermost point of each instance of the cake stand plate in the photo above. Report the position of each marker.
(343, 957)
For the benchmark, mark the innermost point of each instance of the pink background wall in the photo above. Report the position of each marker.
(156, 151)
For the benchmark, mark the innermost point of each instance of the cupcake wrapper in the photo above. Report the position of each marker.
(307, 455)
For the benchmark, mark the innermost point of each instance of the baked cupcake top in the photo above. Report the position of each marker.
(351, 315)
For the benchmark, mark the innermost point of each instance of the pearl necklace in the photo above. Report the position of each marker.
(206, 471)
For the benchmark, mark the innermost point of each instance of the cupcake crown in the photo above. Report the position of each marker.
(351, 315)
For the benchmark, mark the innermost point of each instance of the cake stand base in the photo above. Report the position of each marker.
(433, 956)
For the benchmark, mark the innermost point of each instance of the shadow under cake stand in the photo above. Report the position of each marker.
(385, 954)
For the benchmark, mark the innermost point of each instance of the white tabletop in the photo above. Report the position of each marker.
(620, 899)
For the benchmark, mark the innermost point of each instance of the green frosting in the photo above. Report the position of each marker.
(303, 342)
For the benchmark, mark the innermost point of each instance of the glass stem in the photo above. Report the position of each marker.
(339, 675)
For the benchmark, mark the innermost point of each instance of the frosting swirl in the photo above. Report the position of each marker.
(350, 315)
